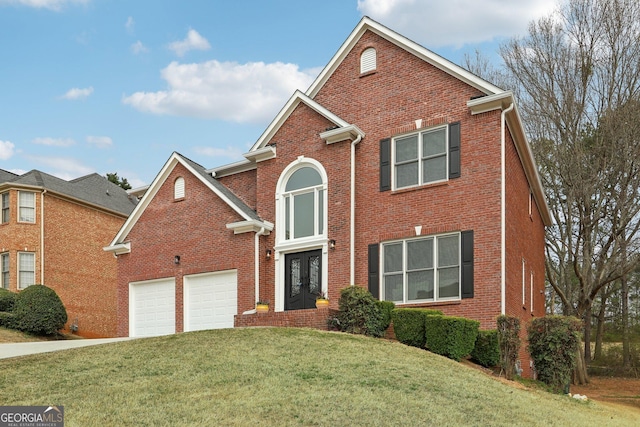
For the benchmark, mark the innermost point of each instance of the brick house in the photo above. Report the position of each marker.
(52, 232)
(396, 170)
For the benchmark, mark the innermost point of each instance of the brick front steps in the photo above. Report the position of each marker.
(315, 318)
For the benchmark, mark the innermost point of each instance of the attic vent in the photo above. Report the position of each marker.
(368, 60)
(178, 188)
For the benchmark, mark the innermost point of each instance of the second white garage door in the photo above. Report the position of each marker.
(210, 300)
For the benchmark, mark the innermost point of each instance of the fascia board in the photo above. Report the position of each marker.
(250, 226)
(243, 165)
(410, 46)
(350, 132)
(284, 113)
(153, 190)
(119, 249)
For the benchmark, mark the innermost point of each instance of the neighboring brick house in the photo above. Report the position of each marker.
(52, 232)
(396, 170)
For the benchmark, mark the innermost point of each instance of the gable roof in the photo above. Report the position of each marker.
(368, 24)
(250, 220)
(92, 189)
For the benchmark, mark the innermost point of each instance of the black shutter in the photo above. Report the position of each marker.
(374, 262)
(385, 164)
(466, 238)
(454, 150)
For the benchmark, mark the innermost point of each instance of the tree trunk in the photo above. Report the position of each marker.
(587, 335)
(626, 352)
(580, 376)
(600, 326)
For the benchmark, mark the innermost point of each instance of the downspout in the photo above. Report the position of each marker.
(42, 237)
(503, 212)
(352, 238)
(256, 268)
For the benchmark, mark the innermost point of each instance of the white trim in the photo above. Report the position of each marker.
(350, 132)
(435, 267)
(243, 165)
(250, 226)
(119, 249)
(524, 281)
(420, 159)
(288, 108)
(503, 212)
(531, 289)
(367, 24)
(260, 155)
(155, 187)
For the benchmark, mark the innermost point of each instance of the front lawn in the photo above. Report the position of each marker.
(280, 376)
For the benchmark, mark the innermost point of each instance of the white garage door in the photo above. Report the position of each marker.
(152, 308)
(210, 300)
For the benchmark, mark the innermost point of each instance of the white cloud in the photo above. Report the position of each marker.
(44, 4)
(54, 142)
(193, 41)
(229, 152)
(130, 25)
(138, 48)
(63, 167)
(7, 149)
(77, 93)
(242, 93)
(100, 141)
(455, 22)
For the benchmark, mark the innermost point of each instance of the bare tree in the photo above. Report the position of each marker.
(577, 72)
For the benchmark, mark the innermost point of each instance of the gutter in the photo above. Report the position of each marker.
(42, 236)
(352, 219)
(503, 227)
(256, 267)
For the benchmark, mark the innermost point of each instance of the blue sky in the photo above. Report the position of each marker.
(117, 86)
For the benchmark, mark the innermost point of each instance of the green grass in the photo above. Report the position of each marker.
(280, 377)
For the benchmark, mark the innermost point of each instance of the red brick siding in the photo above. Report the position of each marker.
(195, 229)
(75, 266)
(243, 185)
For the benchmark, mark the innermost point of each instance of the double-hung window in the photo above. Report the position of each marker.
(27, 206)
(422, 269)
(5, 208)
(304, 204)
(4, 270)
(421, 158)
(26, 269)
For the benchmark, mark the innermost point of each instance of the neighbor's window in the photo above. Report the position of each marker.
(304, 200)
(5, 207)
(421, 269)
(368, 60)
(4, 270)
(26, 269)
(27, 206)
(178, 188)
(420, 158)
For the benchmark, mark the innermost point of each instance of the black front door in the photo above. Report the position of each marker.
(303, 279)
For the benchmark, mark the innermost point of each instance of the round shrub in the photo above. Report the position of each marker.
(7, 300)
(359, 313)
(39, 310)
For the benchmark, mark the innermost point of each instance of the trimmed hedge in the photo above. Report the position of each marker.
(408, 325)
(486, 352)
(39, 310)
(7, 319)
(452, 337)
(7, 300)
(359, 312)
(553, 345)
(386, 307)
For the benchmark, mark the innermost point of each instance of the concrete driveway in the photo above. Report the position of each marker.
(26, 348)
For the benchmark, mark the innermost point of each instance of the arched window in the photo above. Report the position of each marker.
(178, 188)
(368, 60)
(303, 203)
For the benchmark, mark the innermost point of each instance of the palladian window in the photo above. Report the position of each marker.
(304, 200)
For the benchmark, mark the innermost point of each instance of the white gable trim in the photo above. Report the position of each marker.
(153, 190)
(284, 113)
(437, 61)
